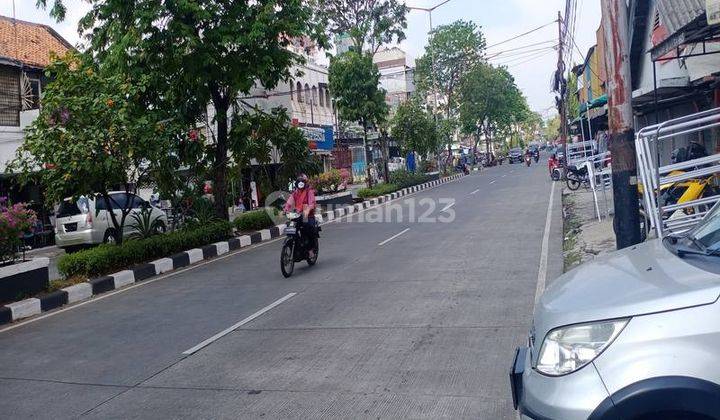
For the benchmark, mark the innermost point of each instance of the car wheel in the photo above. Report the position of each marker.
(160, 228)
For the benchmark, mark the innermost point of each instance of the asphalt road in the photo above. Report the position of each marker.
(399, 319)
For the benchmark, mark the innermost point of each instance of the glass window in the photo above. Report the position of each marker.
(299, 92)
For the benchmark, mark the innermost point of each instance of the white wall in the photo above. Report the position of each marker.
(12, 137)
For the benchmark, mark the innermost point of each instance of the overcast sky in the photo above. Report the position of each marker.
(499, 19)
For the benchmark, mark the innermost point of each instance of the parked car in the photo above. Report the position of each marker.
(515, 155)
(632, 335)
(88, 222)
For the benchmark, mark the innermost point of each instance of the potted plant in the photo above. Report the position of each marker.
(18, 277)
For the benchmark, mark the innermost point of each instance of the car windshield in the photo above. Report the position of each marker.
(707, 232)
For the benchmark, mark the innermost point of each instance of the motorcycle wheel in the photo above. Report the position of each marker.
(312, 261)
(287, 259)
(573, 183)
(555, 176)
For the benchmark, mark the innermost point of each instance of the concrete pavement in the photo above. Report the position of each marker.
(422, 326)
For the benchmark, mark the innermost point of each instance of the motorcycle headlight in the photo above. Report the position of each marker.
(291, 224)
(567, 349)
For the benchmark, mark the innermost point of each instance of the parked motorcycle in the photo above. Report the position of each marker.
(577, 177)
(297, 245)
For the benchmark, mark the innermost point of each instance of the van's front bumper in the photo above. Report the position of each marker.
(541, 397)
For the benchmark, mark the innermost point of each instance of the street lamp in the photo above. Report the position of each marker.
(429, 11)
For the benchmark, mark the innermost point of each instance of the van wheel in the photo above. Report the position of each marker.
(160, 228)
(109, 237)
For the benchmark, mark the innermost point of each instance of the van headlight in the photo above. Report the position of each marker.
(567, 349)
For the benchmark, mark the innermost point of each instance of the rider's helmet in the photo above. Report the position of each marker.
(301, 182)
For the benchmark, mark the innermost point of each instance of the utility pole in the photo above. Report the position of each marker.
(562, 90)
(622, 133)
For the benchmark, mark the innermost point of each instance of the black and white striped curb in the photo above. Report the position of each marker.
(93, 287)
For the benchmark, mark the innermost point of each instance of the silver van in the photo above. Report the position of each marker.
(87, 221)
(632, 335)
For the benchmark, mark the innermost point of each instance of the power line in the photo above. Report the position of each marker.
(539, 52)
(521, 35)
(516, 54)
(499, 53)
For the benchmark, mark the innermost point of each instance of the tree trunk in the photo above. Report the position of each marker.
(221, 149)
(367, 163)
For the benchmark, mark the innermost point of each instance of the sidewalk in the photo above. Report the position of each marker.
(585, 237)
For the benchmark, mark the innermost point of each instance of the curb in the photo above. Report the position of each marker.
(83, 291)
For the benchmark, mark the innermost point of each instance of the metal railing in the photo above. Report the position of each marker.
(679, 217)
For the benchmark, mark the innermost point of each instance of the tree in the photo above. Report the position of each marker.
(552, 128)
(371, 22)
(57, 10)
(489, 101)
(354, 81)
(199, 52)
(413, 128)
(453, 50)
(573, 101)
(94, 135)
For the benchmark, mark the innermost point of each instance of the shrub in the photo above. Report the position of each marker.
(15, 221)
(106, 259)
(405, 179)
(331, 182)
(377, 191)
(254, 220)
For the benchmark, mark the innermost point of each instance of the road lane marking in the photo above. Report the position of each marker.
(542, 271)
(493, 181)
(504, 175)
(475, 192)
(234, 327)
(243, 250)
(448, 207)
(393, 237)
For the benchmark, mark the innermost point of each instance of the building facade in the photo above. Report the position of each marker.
(25, 50)
(396, 76)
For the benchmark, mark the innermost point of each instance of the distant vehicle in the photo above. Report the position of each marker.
(631, 335)
(515, 155)
(87, 221)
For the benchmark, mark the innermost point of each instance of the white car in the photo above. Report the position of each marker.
(88, 222)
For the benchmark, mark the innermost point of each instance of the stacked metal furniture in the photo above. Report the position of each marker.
(675, 218)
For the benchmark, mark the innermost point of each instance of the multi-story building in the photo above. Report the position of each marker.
(396, 75)
(25, 51)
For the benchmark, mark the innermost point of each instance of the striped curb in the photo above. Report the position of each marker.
(34, 306)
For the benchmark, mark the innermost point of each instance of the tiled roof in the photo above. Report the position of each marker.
(29, 43)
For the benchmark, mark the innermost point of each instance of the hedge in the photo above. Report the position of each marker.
(406, 179)
(378, 190)
(253, 220)
(106, 259)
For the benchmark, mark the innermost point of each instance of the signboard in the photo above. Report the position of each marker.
(319, 138)
(712, 8)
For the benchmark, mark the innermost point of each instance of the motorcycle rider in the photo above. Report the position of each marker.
(302, 200)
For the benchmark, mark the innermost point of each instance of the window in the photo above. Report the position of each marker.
(314, 95)
(322, 97)
(308, 93)
(30, 92)
(299, 92)
(9, 96)
(327, 98)
(117, 202)
(291, 91)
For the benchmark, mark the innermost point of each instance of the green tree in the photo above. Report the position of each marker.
(573, 102)
(354, 84)
(552, 128)
(414, 129)
(367, 22)
(57, 10)
(94, 135)
(489, 102)
(201, 52)
(452, 51)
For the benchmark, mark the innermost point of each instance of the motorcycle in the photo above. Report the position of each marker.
(528, 159)
(297, 245)
(577, 177)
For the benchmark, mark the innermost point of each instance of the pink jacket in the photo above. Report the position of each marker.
(300, 200)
